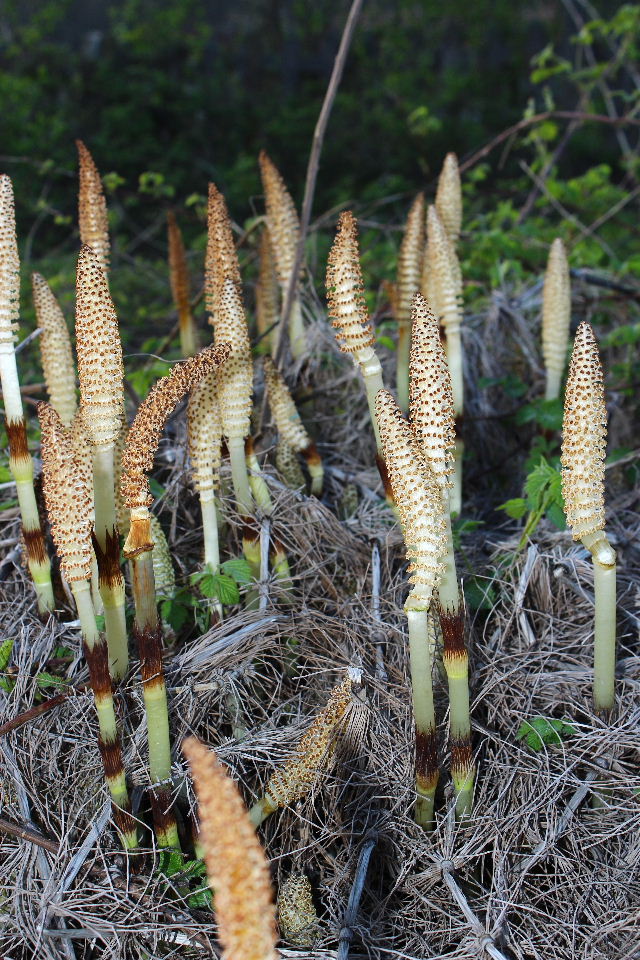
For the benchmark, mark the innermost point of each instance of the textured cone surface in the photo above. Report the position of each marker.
(431, 397)
(443, 283)
(221, 260)
(144, 434)
(123, 518)
(163, 572)
(297, 915)
(282, 219)
(92, 208)
(9, 264)
(82, 450)
(313, 752)
(235, 380)
(345, 290)
(288, 466)
(204, 430)
(584, 433)
(449, 197)
(100, 367)
(267, 296)
(55, 350)
(285, 414)
(417, 496)
(178, 270)
(556, 308)
(237, 867)
(410, 259)
(68, 496)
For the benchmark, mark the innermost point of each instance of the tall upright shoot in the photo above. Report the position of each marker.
(20, 460)
(179, 279)
(204, 430)
(556, 317)
(93, 219)
(408, 282)
(55, 351)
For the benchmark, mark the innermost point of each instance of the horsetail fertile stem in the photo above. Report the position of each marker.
(237, 868)
(433, 423)
(584, 432)
(449, 198)
(419, 500)
(137, 461)
(267, 296)
(204, 430)
(69, 506)
(101, 375)
(179, 279)
(288, 466)
(290, 426)
(20, 460)
(297, 915)
(312, 755)
(278, 555)
(556, 317)
(284, 231)
(55, 351)
(408, 282)
(92, 208)
(350, 318)
(444, 290)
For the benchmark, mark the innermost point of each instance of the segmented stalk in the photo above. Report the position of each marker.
(179, 278)
(556, 317)
(20, 460)
(408, 283)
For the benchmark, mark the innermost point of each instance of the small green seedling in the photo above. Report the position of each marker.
(544, 731)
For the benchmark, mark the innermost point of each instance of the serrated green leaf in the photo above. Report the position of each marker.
(174, 613)
(555, 513)
(238, 568)
(515, 508)
(5, 653)
(170, 862)
(45, 680)
(541, 731)
(218, 586)
(200, 899)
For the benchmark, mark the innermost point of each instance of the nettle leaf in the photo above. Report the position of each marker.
(541, 731)
(238, 568)
(543, 486)
(515, 508)
(218, 586)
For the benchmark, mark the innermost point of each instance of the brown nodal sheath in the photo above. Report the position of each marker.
(426, 759)
(311, 455)
(34, 545)
(452, 626)
(461, 756)
(384, 476)
(17, 436)
(164, 819)
(98, 663)
(109, 571)
(149, 642)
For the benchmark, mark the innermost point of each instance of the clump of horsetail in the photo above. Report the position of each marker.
(419, 500)
(284, 232)
(237, 868)
(137, 461)
(312, 754)
(55, 350)
(444, 300)
(289, 424)
(350, 318)
(69, 503)
(432, 417)
(20, 460)
(408, 282)
(267, 296)
(556, 317)
(297, 916)
(93, 220)
(584, 432)
(179, 279)
(101, 374)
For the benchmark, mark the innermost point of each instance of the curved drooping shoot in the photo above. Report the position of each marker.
(204, 430)
(69, 503)
(350, 318)
(180, 287)
(237, 868)
(101, 374)
(556, 317)
(55, 350)
(267, 296)
(444, 300)
(290, 426)
(407, 284)
(312, 754)
(20, 460)
(419, 500)
(584, 432)
(93, 220)
(433, 422)
(137, 461)
(284, 231)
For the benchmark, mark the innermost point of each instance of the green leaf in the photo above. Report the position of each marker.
(5, 653)
(174, 613)
(387, 342)
(100, 621)
(157, 490)
(238, 568)
(479, 593)
(541, 731)
(200, 899)
(170, 862)
(515, 508)
(218, 586)
(555, 513)
(45, 680)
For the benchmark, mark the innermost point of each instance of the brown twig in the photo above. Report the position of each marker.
(313, 165)
(32, 713)
(23, 832)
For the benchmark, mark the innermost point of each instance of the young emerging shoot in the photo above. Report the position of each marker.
(311, 757)
(584, 432)
(137, 461)
(350, 319)
(20, 460)
(267, 296)
(69, 502)
(419, 501)
(297, 916)
(204, 430)
(408, 282)
(288, 466)
(237, 868)
(179, 278)
(284, 231)
(449, 197)
(289, 424)
(92, 208)
(101, 374)
(556, 317)
(55, 351)
(432, 417)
